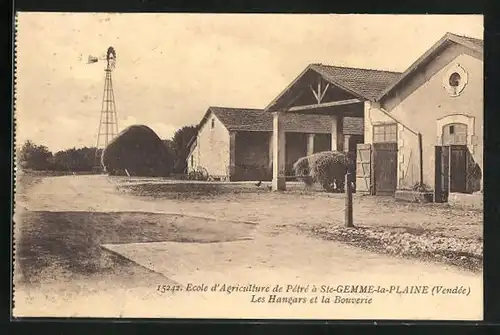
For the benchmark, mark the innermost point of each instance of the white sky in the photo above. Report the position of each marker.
(171, 67)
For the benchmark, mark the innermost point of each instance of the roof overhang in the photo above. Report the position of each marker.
(293, 85)
(423, 60)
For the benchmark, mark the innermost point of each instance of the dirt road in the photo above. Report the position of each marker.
(278, 253)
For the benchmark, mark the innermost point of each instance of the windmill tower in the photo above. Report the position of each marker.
(108, 124)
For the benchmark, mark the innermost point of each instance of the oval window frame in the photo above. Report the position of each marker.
(455, 91)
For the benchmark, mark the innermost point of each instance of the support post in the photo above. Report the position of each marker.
(334, 132)
(348, 201)
(279, 181)
(421, 158)
(232, 155)
(347, 138)
(310, 144)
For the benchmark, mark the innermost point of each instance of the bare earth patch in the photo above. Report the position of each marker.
(60, 246)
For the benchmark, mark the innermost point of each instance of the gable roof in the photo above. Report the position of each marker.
(468, 42)
(244, 119)
(258, 120)
(365, 84)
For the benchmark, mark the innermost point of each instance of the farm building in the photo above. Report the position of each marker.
(422, 126)
(425, 126)
(236, 144)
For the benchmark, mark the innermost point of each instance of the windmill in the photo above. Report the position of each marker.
(108, 124)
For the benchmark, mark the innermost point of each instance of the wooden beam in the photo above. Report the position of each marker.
(315, 94)
(324, 92)
(323, 105)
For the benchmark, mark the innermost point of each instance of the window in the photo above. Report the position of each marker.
(384, 133)
(213, 123)
(455, 79)
(192, 162)
(455, 134)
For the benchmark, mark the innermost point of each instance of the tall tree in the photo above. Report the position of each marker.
(36, 157)
(179, 143)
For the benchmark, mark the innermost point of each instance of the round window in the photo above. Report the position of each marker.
(455, 79)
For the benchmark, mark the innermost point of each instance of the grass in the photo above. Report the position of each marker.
(67, 245)
(189, 191)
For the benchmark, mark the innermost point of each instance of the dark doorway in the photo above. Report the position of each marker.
(385, 168)
(452, 162)
(458, 168)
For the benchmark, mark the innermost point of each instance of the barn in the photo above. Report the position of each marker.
(236, 144)
(422, 127)
(437, 101)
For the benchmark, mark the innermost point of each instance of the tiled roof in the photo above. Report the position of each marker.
(365, 83)
(243, 119)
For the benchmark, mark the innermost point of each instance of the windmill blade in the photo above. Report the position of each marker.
(92, 59)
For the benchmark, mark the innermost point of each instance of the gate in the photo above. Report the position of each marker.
(385, 164)
(364, 168)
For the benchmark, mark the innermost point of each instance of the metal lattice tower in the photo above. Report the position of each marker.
(108, 124)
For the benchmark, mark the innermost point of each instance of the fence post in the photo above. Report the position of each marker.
(348, 201)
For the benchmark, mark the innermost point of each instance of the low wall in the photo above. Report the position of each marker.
(466, 201)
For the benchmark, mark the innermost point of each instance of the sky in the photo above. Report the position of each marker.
(171, 67)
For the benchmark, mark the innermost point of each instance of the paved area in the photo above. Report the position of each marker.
(278, 253)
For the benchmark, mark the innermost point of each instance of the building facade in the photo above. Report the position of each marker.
(439, 97)
(236, 144)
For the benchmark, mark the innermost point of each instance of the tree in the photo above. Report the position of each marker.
(77, 160)
(179, 144)
(36, 157)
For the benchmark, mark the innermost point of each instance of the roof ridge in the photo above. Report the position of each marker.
(236, 108)
(470, 37)
(356, 68)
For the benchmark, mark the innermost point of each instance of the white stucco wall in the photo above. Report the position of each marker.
(212, 148)
(424, 105)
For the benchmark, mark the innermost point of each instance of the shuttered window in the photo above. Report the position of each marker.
(385, 133)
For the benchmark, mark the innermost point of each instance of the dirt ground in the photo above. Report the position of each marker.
(62, 223)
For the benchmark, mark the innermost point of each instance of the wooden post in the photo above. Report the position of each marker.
(279, 181)
(310, 144)
(348, 201)
(232, 155)
(421, 157)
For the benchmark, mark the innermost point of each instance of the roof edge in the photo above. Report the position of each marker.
(434, 48)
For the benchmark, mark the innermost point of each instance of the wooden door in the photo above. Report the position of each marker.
(385, 168)
(458, 168)
(364, 168)
(442, 173)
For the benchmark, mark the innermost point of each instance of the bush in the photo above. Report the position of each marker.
(327, 168)
(199, 174)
